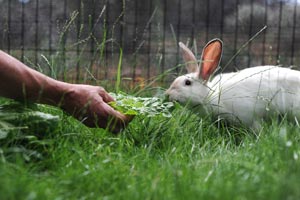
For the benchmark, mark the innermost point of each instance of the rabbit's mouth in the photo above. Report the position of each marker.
(171, 99)
(181, 100)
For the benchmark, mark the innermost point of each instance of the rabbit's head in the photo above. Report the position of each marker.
(192, 87)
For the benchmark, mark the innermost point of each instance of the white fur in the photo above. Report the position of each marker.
(247, 96)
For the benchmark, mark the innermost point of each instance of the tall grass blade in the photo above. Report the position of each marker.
(119, 71)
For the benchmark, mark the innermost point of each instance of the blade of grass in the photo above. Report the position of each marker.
(118, 82)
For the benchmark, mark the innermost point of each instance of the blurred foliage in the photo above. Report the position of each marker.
(24, 129)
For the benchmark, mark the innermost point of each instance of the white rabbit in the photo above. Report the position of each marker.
(247, 96)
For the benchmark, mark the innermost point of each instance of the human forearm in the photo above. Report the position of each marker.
(17, 81)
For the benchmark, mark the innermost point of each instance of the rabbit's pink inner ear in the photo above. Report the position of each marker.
(211, 57)
(189, 58)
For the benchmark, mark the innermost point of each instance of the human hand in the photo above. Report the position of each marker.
(89, 104)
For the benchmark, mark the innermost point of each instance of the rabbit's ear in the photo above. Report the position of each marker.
(211, 57)
(189, 59)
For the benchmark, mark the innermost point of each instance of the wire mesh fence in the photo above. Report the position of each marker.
(87, 40)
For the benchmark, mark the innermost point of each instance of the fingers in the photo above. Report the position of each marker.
(105, 96)
(103, 116)
(117, 120)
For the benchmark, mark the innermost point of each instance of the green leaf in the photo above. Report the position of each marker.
(145, 106)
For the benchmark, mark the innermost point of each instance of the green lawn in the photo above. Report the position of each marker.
(182, 157)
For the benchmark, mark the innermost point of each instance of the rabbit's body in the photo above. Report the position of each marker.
(255, 93)
(247, 96)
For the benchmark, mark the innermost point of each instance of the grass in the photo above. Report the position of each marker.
(182, 157)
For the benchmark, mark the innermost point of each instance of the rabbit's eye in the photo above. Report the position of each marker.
(188, 82)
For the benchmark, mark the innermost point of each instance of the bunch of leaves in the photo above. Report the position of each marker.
(145, 106)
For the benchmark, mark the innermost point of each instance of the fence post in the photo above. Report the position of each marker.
(8, 25)
(250, 34)
(92, 42)
(22, 30)
(222, 19)
(50, 28)
(178, 34)
(135, 40)
(207, 20)
(279, 33)
(164, 37)
(36, 39)
(294, 32)
(236, 29)
(265, 33)
(64, 41)
(149, 40)
(78, 41)
(107, 26)
(193, 21)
